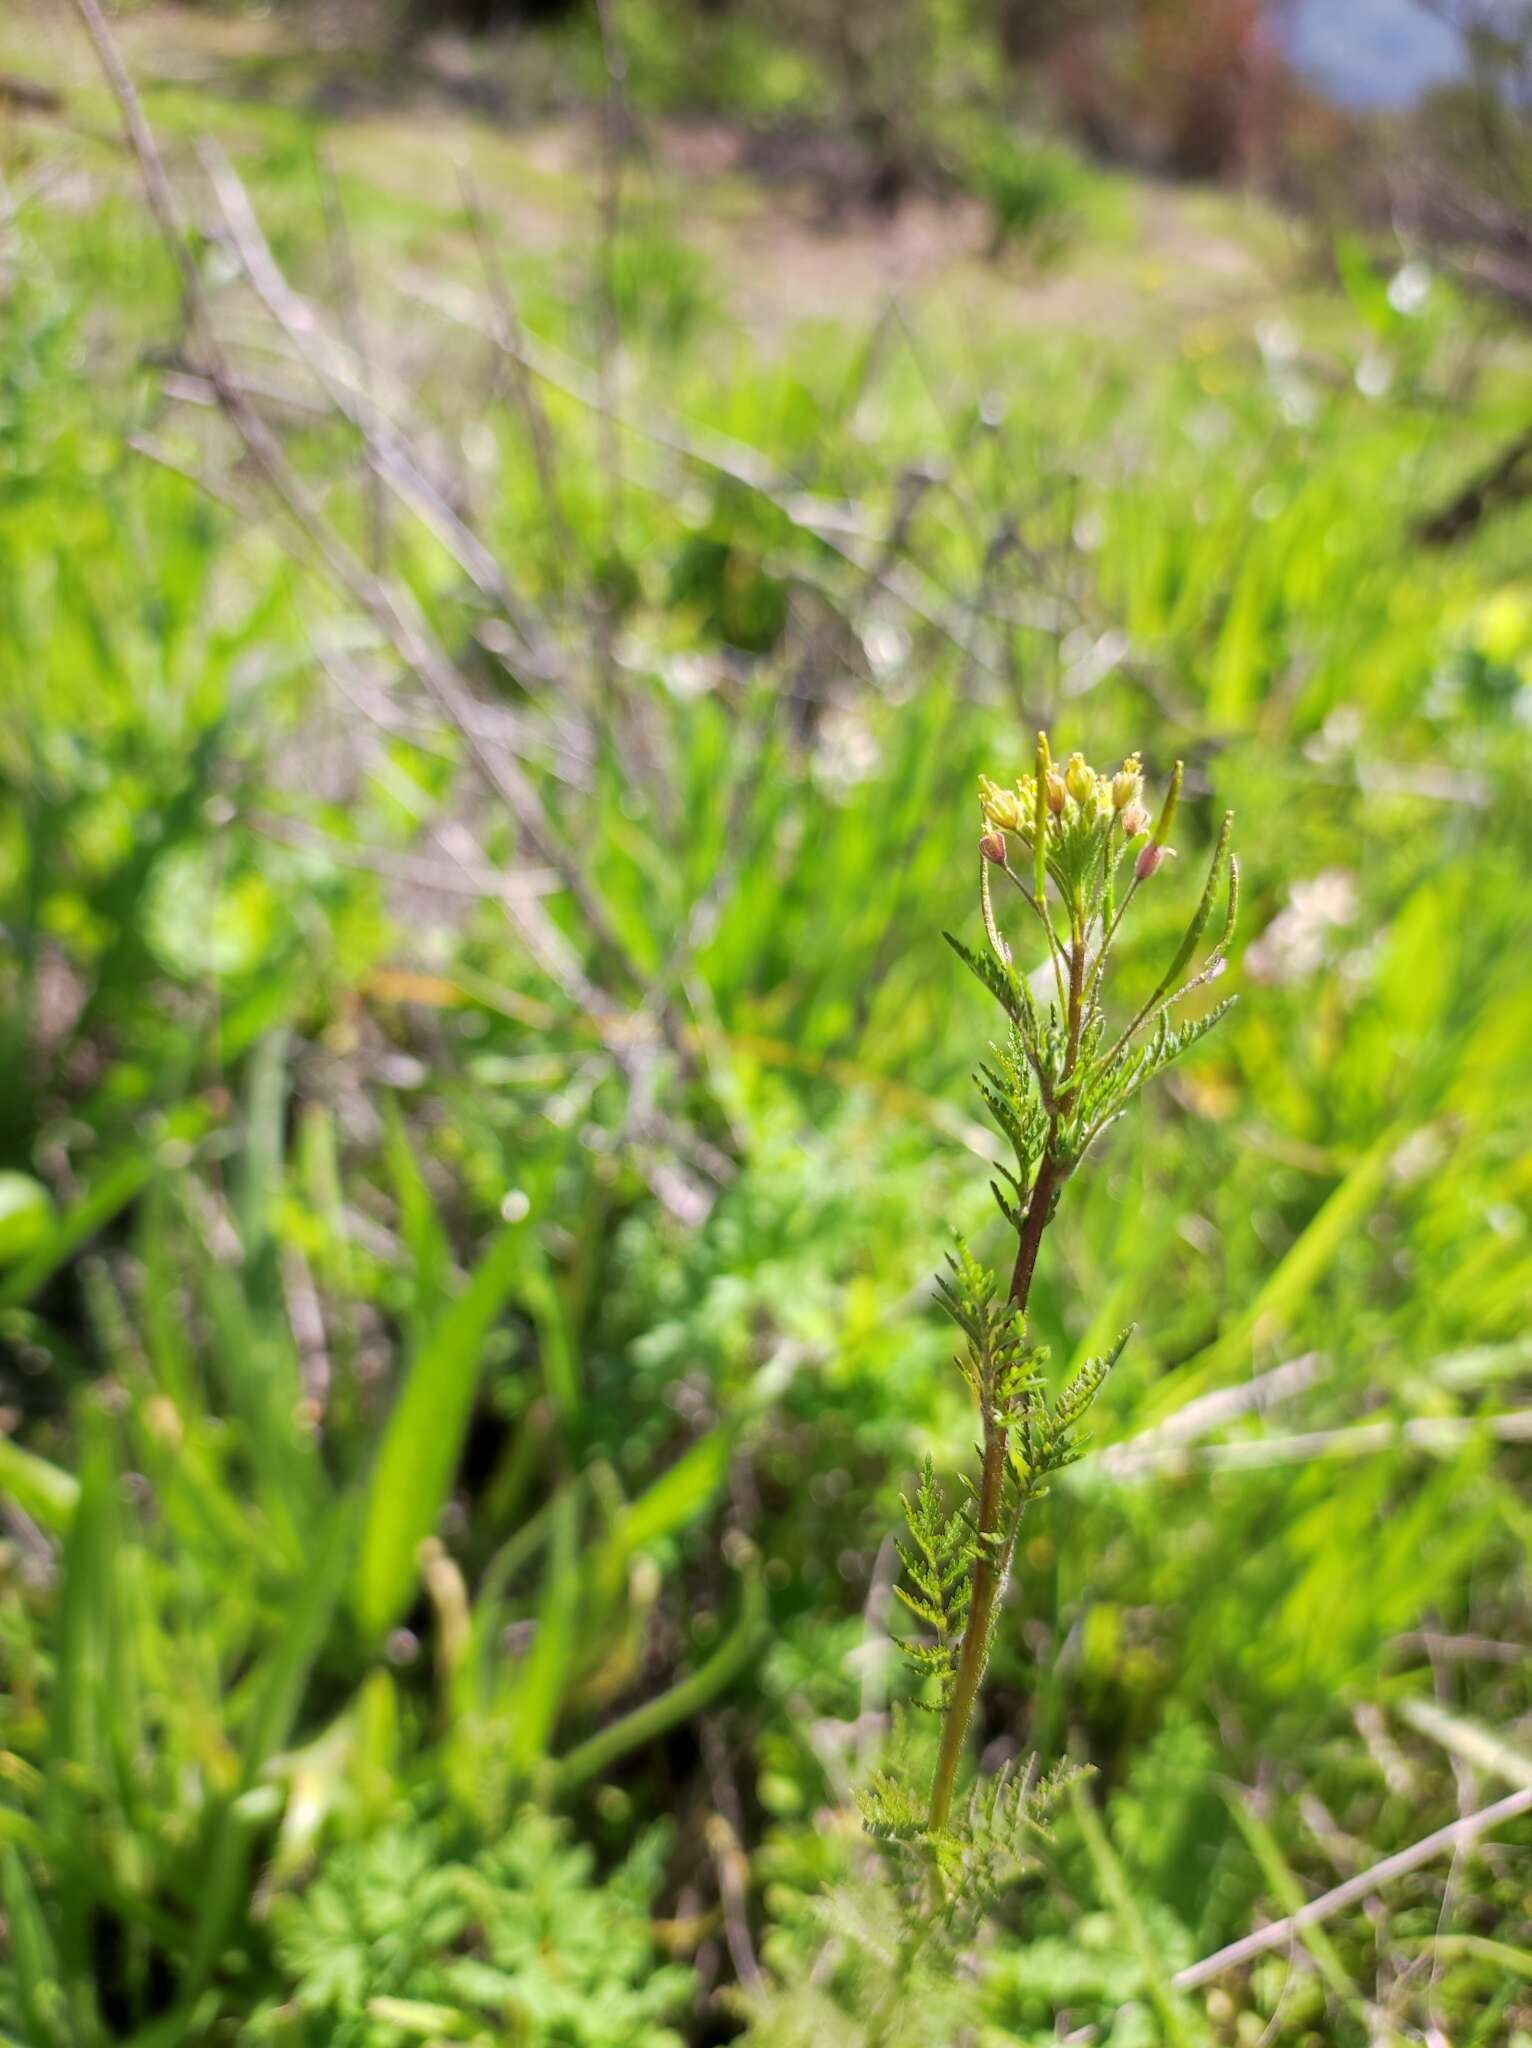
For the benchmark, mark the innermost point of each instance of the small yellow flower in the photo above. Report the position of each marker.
(1079, 778)
(1128, 783)
(1002, 808)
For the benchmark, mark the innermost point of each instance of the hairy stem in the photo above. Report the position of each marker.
(992, 1562)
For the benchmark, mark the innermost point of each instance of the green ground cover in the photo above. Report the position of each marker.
(464, 1335)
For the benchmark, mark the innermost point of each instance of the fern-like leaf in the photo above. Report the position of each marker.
(937, 1562)
(890, 1812)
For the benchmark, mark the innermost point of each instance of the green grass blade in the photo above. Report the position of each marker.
(1477, 1948)
(1182, 2027)
(680, 1494)
(34, 1966)
(258, 1377)
(40, 1489)
(1299, 1271)
(278, 1697)
(426, 2022)
(421, 1444)
(1290, 1895)
(540, 1685)
(684, 1699)
(561, 1372)
(82, 1701)
(261, 1160)
(109, 1194)
(81, 1723)
(420, 1226)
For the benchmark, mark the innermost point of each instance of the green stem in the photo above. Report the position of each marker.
(993, 1561)
(601, 1750)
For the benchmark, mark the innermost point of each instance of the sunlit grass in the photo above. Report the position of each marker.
(345, 1230)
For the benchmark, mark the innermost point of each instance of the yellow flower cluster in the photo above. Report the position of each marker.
(1076, 792)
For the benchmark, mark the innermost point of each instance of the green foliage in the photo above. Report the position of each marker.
(881, 1990)
(398, 1940)
(894, 1940)
(423, 1443)
(1033, 191)
(937, 1562)
(996, 1842)
(377, 1246)
(990, 1845)
(1052, 1091)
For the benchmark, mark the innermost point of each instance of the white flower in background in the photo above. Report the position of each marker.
(1299, 939)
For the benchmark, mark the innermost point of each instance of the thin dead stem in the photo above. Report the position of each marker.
(635, 1038)
(1444, 1841)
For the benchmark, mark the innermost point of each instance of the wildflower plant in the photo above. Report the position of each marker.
(1073, 848)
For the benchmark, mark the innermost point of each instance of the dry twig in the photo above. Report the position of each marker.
(1456, 1834)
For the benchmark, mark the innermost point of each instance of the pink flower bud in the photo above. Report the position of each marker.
(1149, 860)
(992, 846)
(1135, 819)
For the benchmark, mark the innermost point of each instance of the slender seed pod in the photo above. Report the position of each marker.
(1232, 913)
(1040, 831)
(1172, 798)
(1204, 909)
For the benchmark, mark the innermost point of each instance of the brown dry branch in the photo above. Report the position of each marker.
(1281, 1934)
(395, 464)
(634, 1038)
(354, 329)
(840, 528)
(510, 347)
(389, 454)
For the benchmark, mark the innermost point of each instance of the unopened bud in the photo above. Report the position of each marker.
(1135, 819)
(992, 846)
(1079, 777)
(1127, 783)
(1150, 858)
(1042, 792)
(1002, 808)
(1055, 792)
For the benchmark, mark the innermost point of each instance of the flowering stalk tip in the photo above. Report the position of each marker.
(1053, 1086)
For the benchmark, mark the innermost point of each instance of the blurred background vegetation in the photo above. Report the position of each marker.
(496, 645)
